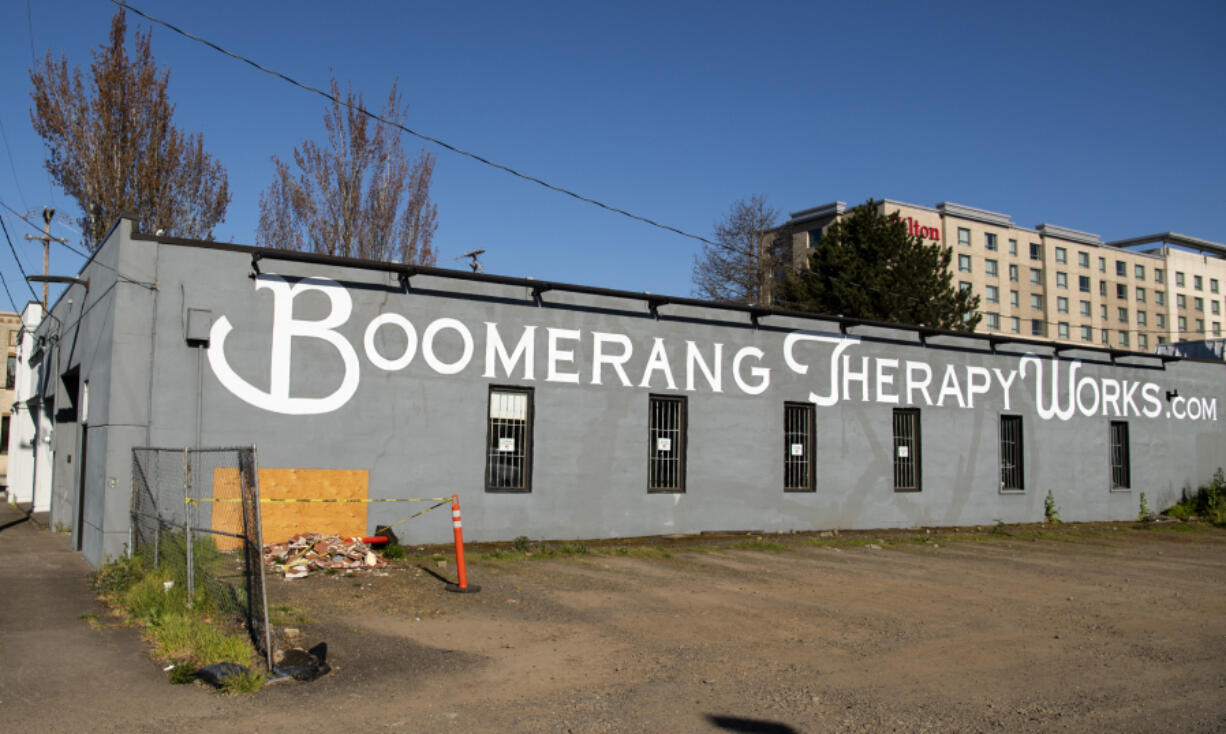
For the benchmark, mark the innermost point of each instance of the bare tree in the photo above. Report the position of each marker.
(737, 267)
(357, 195)
(112, 147)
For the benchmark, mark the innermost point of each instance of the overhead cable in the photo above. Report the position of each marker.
(414, 133)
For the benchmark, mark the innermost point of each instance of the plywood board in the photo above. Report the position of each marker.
(281, 520)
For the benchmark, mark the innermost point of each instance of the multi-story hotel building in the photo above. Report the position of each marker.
(1051, 282)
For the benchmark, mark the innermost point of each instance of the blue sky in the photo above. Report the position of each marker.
(1106, 117)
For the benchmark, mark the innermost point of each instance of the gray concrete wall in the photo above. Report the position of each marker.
(420, 428)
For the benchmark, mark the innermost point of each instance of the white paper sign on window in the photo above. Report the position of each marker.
(664, 444)
(506, 444)
(904, 452)
(798, 449)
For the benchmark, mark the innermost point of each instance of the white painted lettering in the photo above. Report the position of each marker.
(525, 349)
(556, 355)
(616, 361)
(658, 361)
(885, 380)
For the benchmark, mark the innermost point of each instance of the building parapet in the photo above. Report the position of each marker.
(978, 215)
(1072, 235)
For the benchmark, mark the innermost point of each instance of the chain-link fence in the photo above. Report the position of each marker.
(196, 514)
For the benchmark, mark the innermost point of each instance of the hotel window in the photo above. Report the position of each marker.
(1102, 288)
(1087, 333)
(1140, 295)
(1102, 264)
(964, 236)
(1120, 460)
(1012, 247)
(1121, 269)
(964, 263)
(1200, 326)
(1198, 282)
(1123, 338)
(1142, 318)
(1160, 320)
(1084, 308)
(1123, 315)
(1013, 273)
(1015, 325)
(989, 267)
(1181, 301)
(1142, 342)
(1198, 303)
(992, 293)
(508, 455)
(1036, 252)
(1036, 302)
(1061, 255)
(1036, 276)
(1138, 272)
(1160, 298)
(1217, 328)
(799, 431)
(1062, 330)
(1061, 280)
(1121, 291)
(906, 450)
(1159, 275)
(1213, 285)
(993, 320)
(964, 285)
(1183, 323)
(1216, 307)
(1011, 453)
(1083, 259)
(989, 241)
(1105, 337)
(1178, 279)
(1013, 298)
(1062, 304)
(1102, 311)
(1037, 327)
(10, 376)
(666, 443)
(1161, 339)
(1083, 283)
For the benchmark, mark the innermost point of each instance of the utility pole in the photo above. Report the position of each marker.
(46, 239)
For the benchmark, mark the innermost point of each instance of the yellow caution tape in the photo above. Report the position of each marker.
(190, 500)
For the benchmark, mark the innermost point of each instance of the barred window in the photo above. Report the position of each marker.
(508, 456)
(1011, 478)
(798, 447)
(666, 444)
(906, 450)
(1121, 471)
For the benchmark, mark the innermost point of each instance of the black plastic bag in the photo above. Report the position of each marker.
(304, 665)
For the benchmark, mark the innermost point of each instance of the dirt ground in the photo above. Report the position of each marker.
(1105, 627)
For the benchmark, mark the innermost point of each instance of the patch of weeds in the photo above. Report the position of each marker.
(92, 620)
(1208, 502)
(244, 683)
(1144, 511)
(183, 673)
(117, 576)
(1050, 511)
(641, 551)
(285, 615)
(496, 555)
(329, 572)
(1001, 528)
(393, 552)
(188, 637)
(522, 544)
(759, 544)
(573, 549)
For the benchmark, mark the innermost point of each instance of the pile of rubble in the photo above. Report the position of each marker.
(302, 554)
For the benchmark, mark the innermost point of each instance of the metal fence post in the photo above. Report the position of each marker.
(187, 524)
(259, 554)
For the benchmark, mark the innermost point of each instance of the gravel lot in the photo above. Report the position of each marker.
(1100, 627)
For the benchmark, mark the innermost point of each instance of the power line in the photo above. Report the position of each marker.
(19, 267)
(12, 167)
(414, 133)
(12, 301)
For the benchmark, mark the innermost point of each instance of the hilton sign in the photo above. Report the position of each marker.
(928, 233)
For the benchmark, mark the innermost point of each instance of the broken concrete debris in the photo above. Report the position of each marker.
(305, 553)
